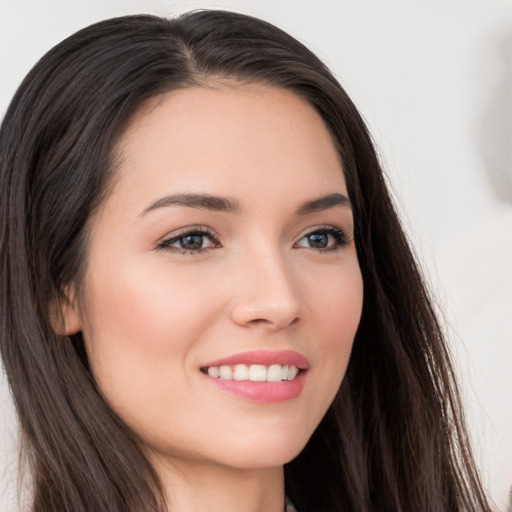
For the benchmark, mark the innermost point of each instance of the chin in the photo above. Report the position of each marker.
(266, 451)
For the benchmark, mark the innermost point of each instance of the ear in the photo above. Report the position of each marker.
(65, 316)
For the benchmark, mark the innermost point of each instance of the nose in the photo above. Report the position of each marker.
(266, 293)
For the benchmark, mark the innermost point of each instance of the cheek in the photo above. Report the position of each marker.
(335, 298)
(142, 326)
(336, 310)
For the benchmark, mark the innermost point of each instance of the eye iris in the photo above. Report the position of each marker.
(191, 242)
(318, 240)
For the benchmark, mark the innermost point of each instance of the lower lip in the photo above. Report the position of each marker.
(263, 392)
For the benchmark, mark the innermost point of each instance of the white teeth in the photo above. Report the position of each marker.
(257, 373)
(292, 372)
(241, 372)
(275, 373)
(214, 372)
(254, 372)
(225, 372)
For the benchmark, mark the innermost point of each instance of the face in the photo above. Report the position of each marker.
(222, 291)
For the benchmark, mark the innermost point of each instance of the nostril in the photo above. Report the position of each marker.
(263, 321)
(257, 321)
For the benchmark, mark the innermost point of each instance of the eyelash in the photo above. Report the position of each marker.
(198, 231)
(339, 236)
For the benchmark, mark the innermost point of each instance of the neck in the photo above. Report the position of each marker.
(197, 486)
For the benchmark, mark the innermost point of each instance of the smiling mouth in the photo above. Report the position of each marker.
(253, 372)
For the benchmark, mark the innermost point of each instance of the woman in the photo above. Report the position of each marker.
(191, 210)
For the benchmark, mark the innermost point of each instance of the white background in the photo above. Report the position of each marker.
(434, 82)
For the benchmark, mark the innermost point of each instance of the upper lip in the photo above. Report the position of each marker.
(264, 357)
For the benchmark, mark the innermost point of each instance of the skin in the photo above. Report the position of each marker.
(153, 316)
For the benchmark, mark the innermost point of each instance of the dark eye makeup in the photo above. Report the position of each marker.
(325, 238)
(192, 240)
(197, 239)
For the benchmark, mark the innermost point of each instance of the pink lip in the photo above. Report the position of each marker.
(263, 392)
(265, 357)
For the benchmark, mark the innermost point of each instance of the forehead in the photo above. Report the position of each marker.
(228, 139)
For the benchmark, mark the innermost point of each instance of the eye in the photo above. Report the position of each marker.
(190, 241)
(327, 238)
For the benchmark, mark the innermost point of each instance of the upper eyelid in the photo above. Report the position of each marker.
(342, 238)
(323, 227)
(188, 230)
(174, 236)
(208, 231)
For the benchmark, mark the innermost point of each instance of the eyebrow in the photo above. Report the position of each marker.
(201, 201)
(226, 204)
(324, 203)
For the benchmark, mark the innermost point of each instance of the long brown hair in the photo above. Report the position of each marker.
(394, 438)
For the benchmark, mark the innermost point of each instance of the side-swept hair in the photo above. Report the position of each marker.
(394, 438)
